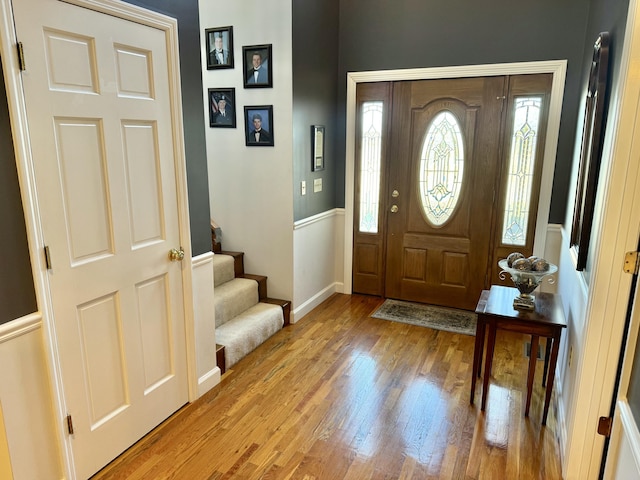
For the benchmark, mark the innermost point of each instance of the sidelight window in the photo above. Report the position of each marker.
(370, 166)
(525, 128)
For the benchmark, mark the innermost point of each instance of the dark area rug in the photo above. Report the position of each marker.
(439, 318)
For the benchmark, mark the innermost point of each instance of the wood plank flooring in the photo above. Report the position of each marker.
(340, 395)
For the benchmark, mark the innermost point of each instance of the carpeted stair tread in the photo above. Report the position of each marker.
(234, 297)
(246, 331)
(223, 269)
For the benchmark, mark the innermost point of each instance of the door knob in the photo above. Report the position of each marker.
(394, 209)
(176, 255)
(395, 194)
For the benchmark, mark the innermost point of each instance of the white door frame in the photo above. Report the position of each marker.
(24, 163)
(556, 67)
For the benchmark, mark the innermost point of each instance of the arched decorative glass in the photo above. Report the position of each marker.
(441, 168)
(526, 121)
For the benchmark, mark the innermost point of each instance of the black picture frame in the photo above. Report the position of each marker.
(264, 69)
(263, 113)
(219, 99)
(226, 34)
(317, 148)
(591, 150)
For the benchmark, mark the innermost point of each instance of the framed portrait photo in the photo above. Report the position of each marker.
(257, 62)
(219, 47)
(258, 124)
(222, 107)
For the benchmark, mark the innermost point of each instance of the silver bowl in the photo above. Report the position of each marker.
(526, 281)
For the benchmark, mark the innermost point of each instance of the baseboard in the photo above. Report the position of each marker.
(314, 301)
(561, 420)
(209, 380)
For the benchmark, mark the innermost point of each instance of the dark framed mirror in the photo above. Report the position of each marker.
(591, 149)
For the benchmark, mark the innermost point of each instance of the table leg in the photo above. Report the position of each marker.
(552, 375)
(533, 358)
(491, 343)
(481, 330)
(477, 355)
(546, 361)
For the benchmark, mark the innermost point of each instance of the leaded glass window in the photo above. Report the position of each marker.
(441, 168)
(370, 161)
(526, 122)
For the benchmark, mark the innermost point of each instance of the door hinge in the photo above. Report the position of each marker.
(47, 257)
(604, 426)
(21, 63)
(631, 263)
(69, 424)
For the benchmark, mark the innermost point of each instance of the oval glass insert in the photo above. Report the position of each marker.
(441, 168)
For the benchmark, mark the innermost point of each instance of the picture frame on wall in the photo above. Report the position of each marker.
(317, 148)
(258, 66)
(258, 123)
(219, 47)
(222, 107)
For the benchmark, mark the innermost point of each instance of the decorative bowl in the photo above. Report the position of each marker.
(526, 281)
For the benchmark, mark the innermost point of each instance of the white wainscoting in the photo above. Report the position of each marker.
(573, 291)
(625, 464)
(318, 258)
(207, 371)
(26, 402)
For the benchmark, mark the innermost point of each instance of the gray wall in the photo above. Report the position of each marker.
(386, 34)
(186, 12)
(315, 23)
(17, 295)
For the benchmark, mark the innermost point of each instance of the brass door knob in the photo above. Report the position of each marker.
(394, 209)
(176, 255)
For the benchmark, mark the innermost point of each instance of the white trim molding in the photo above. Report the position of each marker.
(557, 68)
(20, 326)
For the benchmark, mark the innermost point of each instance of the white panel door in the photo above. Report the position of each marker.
(99, 115)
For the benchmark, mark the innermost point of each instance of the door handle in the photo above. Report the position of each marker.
(394, 209)
(176, 255)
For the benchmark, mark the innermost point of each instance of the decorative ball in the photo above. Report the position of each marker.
(521, 264)
(540, 265)
(533, 259)
(513, 257)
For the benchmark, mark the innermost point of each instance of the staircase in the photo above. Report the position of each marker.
(245, 315)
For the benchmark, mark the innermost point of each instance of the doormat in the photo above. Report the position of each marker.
(438, 318)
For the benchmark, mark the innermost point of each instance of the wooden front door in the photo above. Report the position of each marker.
(445, 142)
(457, 165)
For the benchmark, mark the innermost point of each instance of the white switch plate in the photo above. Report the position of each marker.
(303, 188)
(317, 185)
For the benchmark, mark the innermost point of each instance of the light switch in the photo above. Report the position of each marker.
(303, 188)
(317, 185)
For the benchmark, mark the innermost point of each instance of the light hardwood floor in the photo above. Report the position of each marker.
(340, 395)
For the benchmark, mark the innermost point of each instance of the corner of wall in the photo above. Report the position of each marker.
(206, 374)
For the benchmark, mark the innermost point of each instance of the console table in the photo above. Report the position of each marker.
(495, 311)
